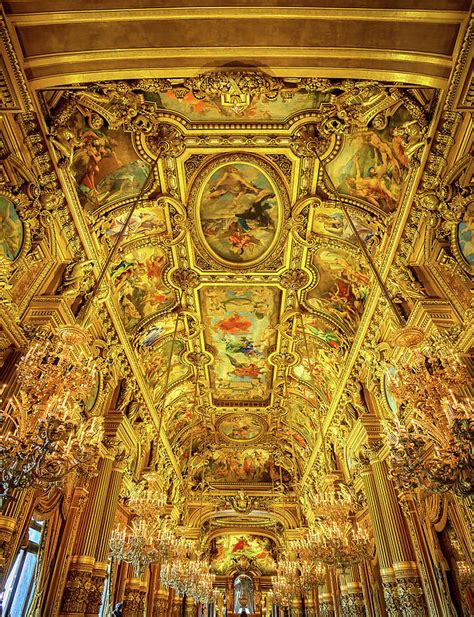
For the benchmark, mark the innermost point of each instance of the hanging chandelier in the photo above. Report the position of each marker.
(312, 575)
(431, 439)
(147, 502)
(54, 371)
(338, 544)
(46, 434)
(284, 584)
(187, 572)
(333, 502)
(135, 545)
(295, 578)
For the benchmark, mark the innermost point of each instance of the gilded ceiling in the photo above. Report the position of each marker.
(240, 296)
(234, 174)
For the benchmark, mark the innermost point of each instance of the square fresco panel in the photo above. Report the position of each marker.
(239, 326)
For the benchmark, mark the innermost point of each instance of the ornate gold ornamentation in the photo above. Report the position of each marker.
(431, 442)
(294, 279)
(79, 585)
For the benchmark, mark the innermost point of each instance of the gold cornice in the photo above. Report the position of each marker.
(190, 69)
(145, 53)
(233, 12)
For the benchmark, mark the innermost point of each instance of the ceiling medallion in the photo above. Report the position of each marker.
(239, 205)
(241, 428)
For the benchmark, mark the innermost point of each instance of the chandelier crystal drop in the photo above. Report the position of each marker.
(431, 438)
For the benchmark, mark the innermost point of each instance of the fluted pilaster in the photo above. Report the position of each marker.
(409, 589)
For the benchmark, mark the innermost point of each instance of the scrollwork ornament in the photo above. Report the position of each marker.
(283, 359)
(79, 585)
(308, 141)
(392, 601)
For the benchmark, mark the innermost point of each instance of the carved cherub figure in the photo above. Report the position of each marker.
(75, 278)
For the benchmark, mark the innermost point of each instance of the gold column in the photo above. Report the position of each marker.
(190, 608)
(381, 540)
(352, 596)
(161, 602)
(79, 581)
(437, 604)
(310, 609)
(176, 606)
(410, 593)
(326, 600)
(101, 553)
(134, 600)
(296, 609)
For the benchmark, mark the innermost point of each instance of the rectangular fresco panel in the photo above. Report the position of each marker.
(228, 551)
(239, 329)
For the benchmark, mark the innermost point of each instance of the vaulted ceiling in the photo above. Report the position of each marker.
(240, 290)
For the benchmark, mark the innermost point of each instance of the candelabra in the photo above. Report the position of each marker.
(431, 439)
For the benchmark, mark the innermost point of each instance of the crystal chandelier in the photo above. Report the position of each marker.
(147, 502)
(337, 544)
(46, 436)
(188, 573)
(333, 502)
(140, 544)
(431, 438)
(284, 584)
(54, 371)
(312, 575)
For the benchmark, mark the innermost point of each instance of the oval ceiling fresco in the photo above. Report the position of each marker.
(239, 212)
(241, 427)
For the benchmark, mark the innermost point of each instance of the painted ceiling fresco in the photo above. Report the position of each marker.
(239, 328)
(239, 282)
(228, 550)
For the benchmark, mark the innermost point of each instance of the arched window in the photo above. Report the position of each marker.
(243, 594)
